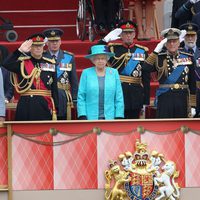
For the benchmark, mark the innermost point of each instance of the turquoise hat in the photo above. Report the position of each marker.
(99, 49)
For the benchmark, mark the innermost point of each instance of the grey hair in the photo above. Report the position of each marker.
(92, 58)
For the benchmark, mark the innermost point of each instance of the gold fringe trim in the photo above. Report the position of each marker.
(193, 100)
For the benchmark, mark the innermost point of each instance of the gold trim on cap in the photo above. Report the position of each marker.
(54, 38)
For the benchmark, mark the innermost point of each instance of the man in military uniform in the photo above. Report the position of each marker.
(66, 72)
(176, 76)
(191, 47)
(128, 60)
(34, 78)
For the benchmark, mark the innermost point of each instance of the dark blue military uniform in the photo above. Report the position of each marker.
(192, 29)
(66, 75)
(175, 92)
(135, 84)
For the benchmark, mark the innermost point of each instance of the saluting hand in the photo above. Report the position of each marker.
(194, 1)
(182, 35)
(25, 46)
(113, 35)
(160, 45)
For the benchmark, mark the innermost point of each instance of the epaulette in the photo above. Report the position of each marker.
(68, 52)
(114, 44)
(22, 58)
(142, 47)
(186, 53)
(49, 60)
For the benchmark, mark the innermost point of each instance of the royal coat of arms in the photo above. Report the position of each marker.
(140, 176)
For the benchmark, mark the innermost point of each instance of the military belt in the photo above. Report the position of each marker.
(66, 88)
(44, 93)
(130, 79)
(198, 84)
(174, 86)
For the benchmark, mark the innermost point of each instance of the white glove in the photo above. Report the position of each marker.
(193, 112)
(194, 1)
(160, 45)
(182, 35)
(113, 35)
(25, 46)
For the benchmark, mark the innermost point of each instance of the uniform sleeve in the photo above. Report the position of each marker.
(149, 63)
(184, 11)
(81, 99)
(11, 63)
(119, 99)
(2, 98)
(74, 80)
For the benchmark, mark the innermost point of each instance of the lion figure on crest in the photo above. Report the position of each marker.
(119, 177)
(166, 183)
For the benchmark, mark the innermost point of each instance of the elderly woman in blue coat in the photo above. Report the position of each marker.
(100, 93)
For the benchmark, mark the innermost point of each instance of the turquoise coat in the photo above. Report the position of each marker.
(88, 95)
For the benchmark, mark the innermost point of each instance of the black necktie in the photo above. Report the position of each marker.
(191, 51)
(54, 57)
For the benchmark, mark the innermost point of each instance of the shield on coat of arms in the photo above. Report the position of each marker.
(141, 187)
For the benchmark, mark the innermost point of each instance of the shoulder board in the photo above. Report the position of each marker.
(21, 58)
(49, 60)
(68, 52)
(142, 47)
(114, 44)
(189, 54)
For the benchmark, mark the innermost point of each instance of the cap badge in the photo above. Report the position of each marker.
(53, 33)
(190, 27)
(128, 25)
(38, 38)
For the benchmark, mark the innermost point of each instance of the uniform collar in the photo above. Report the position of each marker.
(56, 54)
(194, 48)
(128, 46)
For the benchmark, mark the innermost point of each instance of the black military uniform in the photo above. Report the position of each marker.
(176, 92)
(66, 75)
(105, 11)
(35, 81)
(192, 29)
(135, 84)
(187, 11)
(176, 4)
